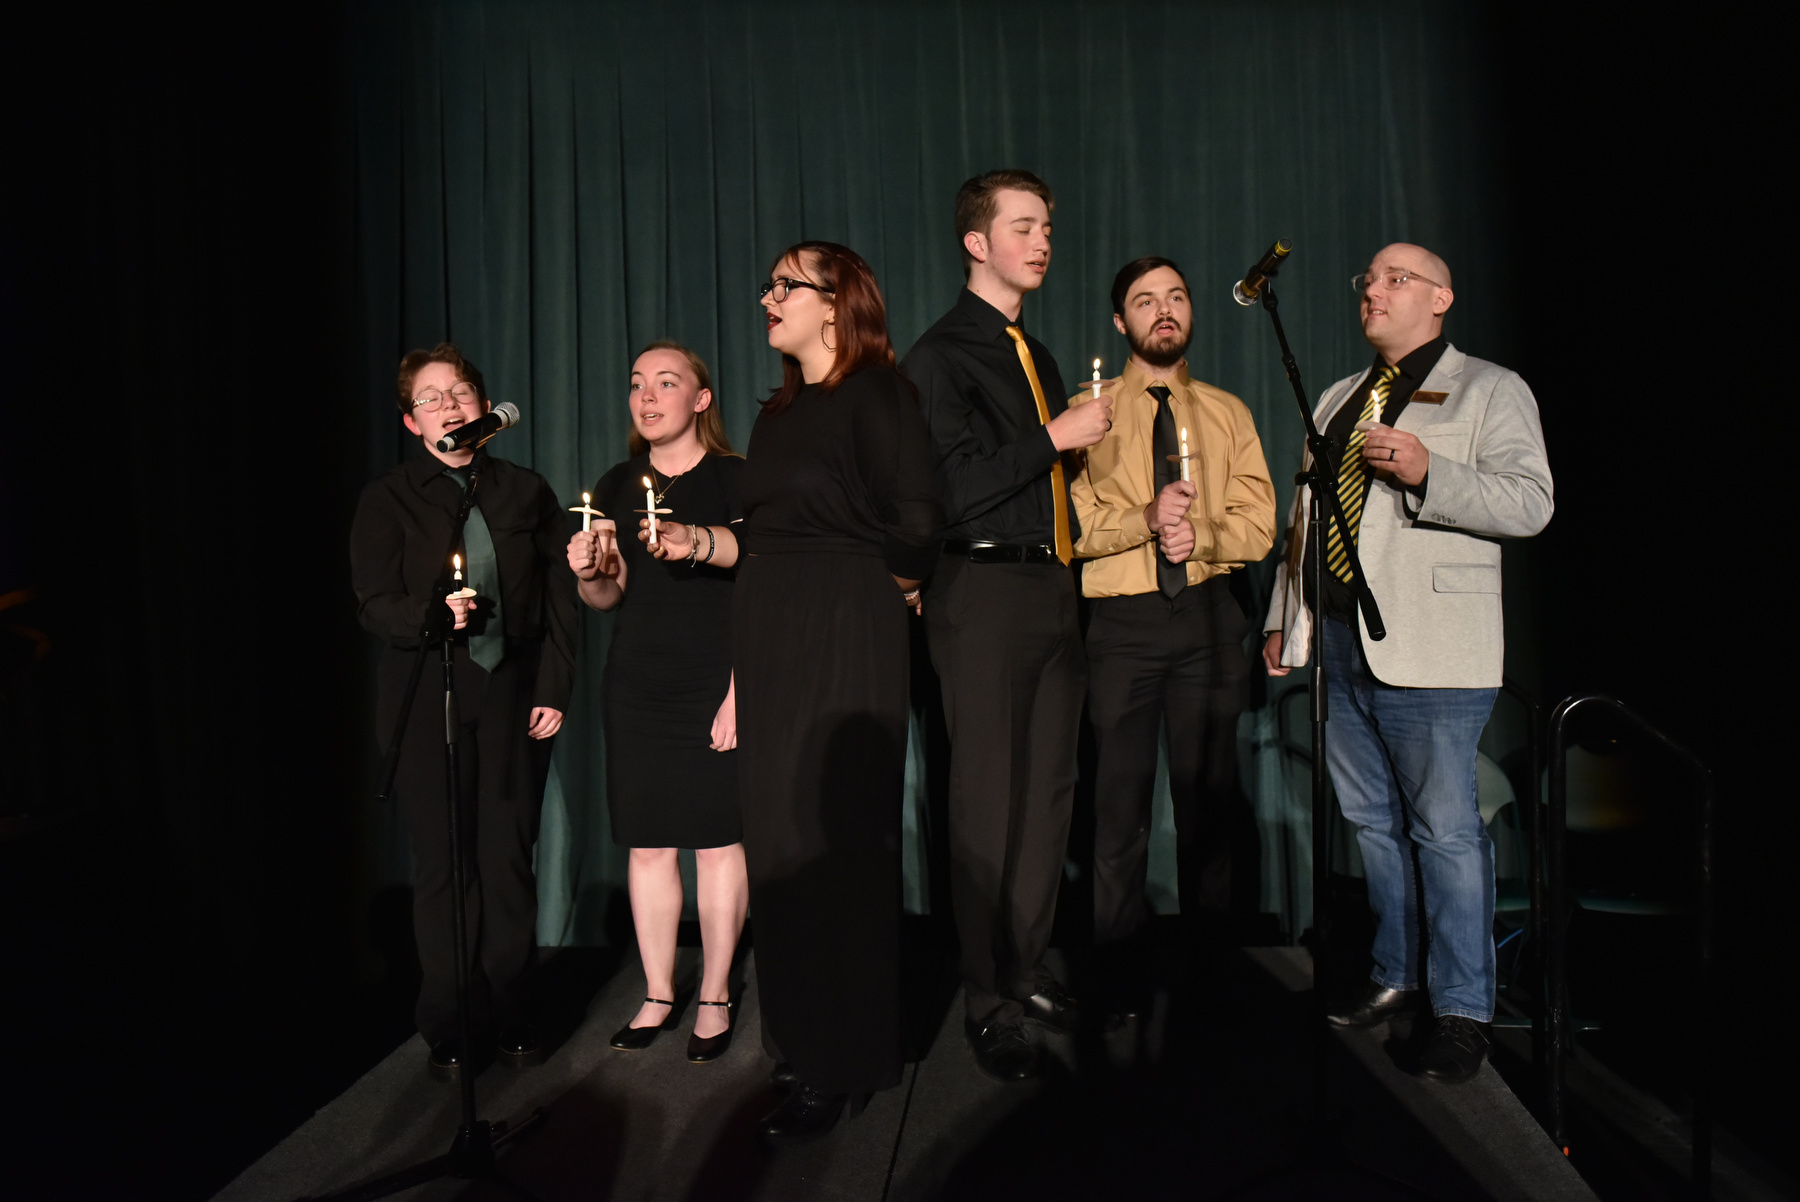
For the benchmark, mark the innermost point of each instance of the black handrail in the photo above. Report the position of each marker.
(1533, 814)
(1556, 929)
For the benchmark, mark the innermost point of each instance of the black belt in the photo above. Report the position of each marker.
(1000, 552)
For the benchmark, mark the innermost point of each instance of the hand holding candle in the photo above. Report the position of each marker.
(462, 600)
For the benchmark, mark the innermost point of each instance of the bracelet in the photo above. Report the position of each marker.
(693, 545)
(712, 544)
(911, 597)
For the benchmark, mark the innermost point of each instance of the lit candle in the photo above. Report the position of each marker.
(650, 506)
(587, 519)
(1376, 415)
(1184, 455)
(1096, 379)
(457, 560)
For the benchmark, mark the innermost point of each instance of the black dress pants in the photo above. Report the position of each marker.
(502, 774)
(1006, 642)
(1154, 663)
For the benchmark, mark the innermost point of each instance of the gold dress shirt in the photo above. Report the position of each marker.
(1233, 516)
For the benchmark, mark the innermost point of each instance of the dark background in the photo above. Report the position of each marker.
(185, 974)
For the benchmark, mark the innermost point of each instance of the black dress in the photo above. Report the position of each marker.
(840, 495)
(668, 668)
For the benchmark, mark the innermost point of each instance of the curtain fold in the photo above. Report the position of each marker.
(551, 185)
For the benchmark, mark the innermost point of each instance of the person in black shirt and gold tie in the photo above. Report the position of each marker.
(1165, 639)
(1001, 614)
(514, 654)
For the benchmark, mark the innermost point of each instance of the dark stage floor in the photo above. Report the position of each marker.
(1196, 1102)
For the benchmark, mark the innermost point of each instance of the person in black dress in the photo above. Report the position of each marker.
(514, 665)
(670, 713)
(841, 522)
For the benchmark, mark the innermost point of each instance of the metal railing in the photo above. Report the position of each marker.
(1557, 911)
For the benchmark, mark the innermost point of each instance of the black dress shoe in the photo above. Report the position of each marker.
(711, 1047)
(1005, 1051)
(1374, 1006)
(636, 1039)
(520, 1044)
(447, 1059)
(1051, 1006)
(1457, 1048)
(804, 1114)
(784, 1077)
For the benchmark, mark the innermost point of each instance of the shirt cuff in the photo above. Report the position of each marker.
(1133, 529)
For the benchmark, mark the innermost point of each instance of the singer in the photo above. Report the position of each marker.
(1443, 456)
(514, 663)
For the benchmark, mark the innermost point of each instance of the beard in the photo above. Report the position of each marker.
(1161, 352)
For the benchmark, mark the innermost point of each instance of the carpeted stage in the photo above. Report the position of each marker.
(1208, 1097)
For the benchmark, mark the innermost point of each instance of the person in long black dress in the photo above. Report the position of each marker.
(841, 523)
(669, 709)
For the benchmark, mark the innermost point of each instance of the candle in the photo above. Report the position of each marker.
(1376, 416)
(1184, 455)
(587, 519)
(650, 505)
(1096, 379)
(457, 560)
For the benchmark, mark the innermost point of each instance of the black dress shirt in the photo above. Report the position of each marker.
(1340, 599)
(993, 452)
(402, 526)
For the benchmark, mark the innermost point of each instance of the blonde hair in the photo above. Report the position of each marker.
(709, 425)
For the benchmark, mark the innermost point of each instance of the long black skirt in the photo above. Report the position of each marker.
(820, 647)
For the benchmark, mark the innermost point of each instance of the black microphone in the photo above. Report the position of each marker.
(479, 431)
(1246, 290)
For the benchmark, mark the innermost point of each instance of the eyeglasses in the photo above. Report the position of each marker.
(781, 286)
(431, 400)
(1362, 282)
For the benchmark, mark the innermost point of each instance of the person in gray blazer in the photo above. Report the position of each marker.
(1444, 457)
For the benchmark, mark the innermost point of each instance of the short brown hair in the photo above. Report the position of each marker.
(977, 206)
(861, 321)
(443, 352)
(708, 424)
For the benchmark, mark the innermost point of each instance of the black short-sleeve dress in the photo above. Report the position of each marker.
(668, 667)
(840, 496)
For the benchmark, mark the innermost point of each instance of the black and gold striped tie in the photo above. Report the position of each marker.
(1353, 480)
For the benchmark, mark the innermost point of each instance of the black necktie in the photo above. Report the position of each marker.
(1171, 578)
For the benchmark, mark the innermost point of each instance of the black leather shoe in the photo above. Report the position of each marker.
(804, 1114)
(1457, 1048)
(446, 1059)
(711, 1047)
(1374, 1006)
(1005, 1051)
(636, 1039)
(784, 1077)
(520, 1044)
(1051, 1006)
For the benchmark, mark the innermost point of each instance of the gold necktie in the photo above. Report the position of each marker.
(1353, 480)
(1065, 546)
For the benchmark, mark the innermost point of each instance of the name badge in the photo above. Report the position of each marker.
(1428, 398)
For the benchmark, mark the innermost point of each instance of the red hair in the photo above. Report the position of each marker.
(861, 321)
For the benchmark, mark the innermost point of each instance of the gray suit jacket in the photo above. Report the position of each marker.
(1435, 568)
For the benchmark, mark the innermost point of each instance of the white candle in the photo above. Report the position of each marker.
(1096, 379)
(650, 504)
(587, 519)
(1184, 455)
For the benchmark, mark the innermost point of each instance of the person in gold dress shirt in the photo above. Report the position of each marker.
(1165, 637)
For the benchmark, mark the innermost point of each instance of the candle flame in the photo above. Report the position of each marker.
(646, 482)
(1184, 433)
(1096, 365)
(457, 560)
(587, 498)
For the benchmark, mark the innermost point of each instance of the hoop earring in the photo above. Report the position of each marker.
(822, 341)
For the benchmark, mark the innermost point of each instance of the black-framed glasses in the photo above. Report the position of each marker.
(781, 286)
(431, 400)
(1362, 281)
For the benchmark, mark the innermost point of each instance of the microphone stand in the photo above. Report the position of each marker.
(1320, 477)
(473, 1152)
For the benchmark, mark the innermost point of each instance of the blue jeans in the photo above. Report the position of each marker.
(1403, 763)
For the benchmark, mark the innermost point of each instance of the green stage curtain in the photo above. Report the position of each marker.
(552, 185)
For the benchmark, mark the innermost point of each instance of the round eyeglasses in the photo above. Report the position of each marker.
(781, 286)
(431, 400)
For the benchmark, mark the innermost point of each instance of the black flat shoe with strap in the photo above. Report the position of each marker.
(636, 1039)
(702, 1049)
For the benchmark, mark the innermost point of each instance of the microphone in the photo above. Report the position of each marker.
(1246, 290)
(477, 432)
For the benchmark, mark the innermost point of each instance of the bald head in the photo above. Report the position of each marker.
(1398, 319)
